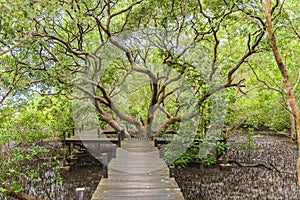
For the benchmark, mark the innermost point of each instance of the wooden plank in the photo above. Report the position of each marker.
(151, 196)
(158, 174)
(159, 194)
(138, 198)
(90, 139)
(154, 184)
(137, 194)
(137, 177)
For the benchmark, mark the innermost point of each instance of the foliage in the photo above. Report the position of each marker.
(190, 155)
(266, 109)
(192, 152)
(209, 159)
(40, 118)
(264, 102)
(218, 47)
(248, 144)
(30, 168)
(220, 148)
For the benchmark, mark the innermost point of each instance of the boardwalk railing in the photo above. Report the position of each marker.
(70, 139)
(165, 139)
(102, 144)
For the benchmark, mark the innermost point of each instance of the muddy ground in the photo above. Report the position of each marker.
(274, 176)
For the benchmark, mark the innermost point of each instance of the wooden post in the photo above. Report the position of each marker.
(161, 153)
(114, 151)
(119, 139)
(122, 134)
(98, 132)
(64, 137)
(155, 142)
(105, 163)
(65, 144)
(79, 194)
(64, 147)
(81, 128)
(73, 131)
(69, 147)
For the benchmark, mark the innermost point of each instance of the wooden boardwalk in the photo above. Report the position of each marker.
(93, 135)
(137, 173)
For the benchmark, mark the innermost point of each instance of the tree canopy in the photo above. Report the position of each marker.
(149, 65)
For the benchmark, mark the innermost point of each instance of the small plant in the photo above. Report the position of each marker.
(203, 149)
(183, 160)
(190, 154)
(209, 159)
(220, 148)
(248, 144)
(223, 136)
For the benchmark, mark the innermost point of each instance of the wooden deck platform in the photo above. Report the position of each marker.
(137, 173)
(95, 136)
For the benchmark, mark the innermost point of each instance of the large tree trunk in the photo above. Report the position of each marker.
(283, 70)
(116, 126)
(292, 122)
(144, 131)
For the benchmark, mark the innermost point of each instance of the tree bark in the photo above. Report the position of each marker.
(144, 131)
(284, 72)
(292, 122)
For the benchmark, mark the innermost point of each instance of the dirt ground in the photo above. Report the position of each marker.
(274, 176)
(263, 167)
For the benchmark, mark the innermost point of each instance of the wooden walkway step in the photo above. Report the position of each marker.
(137, 173)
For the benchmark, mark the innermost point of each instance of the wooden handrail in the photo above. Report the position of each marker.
(112, 132)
